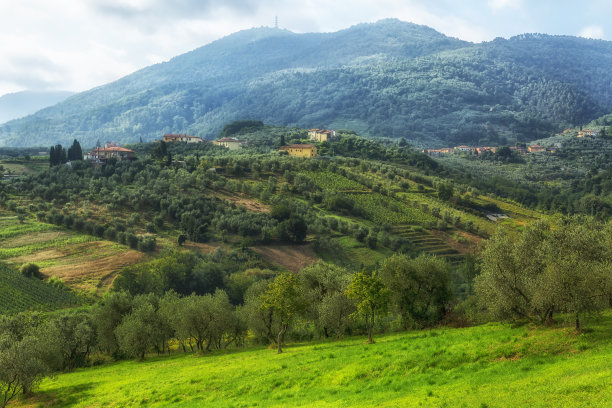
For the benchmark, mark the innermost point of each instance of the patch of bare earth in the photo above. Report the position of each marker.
(33, 238)
(208, 248)
(248, 203)
(292, 257)
(84, 266)
(94, 273)
(468, 247)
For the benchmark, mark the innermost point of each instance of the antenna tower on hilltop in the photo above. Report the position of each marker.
(275, 21)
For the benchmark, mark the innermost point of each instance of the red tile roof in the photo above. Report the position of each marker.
(111, 149)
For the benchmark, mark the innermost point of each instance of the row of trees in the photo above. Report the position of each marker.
(547, 269)
(59, 155)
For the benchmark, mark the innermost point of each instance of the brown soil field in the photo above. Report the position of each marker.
(292, 257)
(469, 247)
(85, 266)
(32, 238)
(248, 203)
(208, 248)
(93, 273)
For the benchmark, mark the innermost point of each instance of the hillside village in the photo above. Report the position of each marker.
(519, 148)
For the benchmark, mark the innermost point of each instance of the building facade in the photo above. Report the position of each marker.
(229, 143)
(169, 138)
(319, 135)
(300, 150)
(109, 151)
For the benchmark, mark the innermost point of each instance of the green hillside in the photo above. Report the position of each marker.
(494, 365)
(389, 79)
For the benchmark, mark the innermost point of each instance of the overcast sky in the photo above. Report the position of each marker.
(79, 44)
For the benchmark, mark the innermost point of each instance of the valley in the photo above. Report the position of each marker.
(378, 216)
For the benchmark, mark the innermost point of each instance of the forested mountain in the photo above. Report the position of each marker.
(389, 78)
(19, 104)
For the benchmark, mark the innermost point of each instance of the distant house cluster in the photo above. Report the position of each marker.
(170, 138)
(459, 149)
(230, 143)
(464, 149)
(300, 150)
(110, 151)
(588, 132)
(321, 135)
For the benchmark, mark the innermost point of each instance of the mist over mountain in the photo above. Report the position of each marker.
(20, 104)
(387, 79)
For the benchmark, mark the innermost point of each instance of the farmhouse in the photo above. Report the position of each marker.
(481, 150)
(110, 150)
(229, 142)
(587, 132)
(536, 149)
(319, 135)
(300, 150)
(465, 149)
(182, 138)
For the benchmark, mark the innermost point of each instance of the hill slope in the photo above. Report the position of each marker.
(492, 365)
(384, 79)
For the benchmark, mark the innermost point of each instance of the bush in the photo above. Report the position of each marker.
(99, 230)
(158, 221)
(146, 244)
(132, 240)
(30, 270)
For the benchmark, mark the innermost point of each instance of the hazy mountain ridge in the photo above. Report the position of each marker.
(384, 79)
(19, 104)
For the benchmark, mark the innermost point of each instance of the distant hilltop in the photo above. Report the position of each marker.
(387, 79)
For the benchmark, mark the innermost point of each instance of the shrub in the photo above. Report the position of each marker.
(30, 270)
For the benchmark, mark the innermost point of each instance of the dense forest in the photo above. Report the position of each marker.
(388, 79)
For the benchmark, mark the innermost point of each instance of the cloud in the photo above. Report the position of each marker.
(592, 31)
(161, 10)
(504, 4)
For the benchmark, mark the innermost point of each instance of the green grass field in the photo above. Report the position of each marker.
(494, 365)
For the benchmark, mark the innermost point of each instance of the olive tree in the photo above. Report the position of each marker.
(284, 298)
(21, 366)
(372, 298)
(547, 268)
(328, 307)
(420, 288)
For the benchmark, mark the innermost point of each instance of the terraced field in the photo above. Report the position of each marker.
(82, 262)
(426, 241)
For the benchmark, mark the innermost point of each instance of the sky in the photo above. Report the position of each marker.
(76, 45)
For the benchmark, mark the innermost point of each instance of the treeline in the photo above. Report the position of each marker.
(547, 269)
(59, 155)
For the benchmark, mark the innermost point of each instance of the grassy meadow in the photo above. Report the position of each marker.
(494, 365)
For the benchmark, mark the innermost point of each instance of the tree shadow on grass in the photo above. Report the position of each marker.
(61, 397)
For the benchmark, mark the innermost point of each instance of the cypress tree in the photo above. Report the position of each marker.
(75, 152)
(52, 161)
